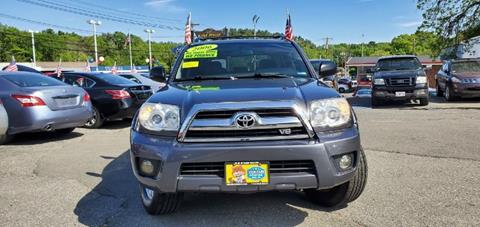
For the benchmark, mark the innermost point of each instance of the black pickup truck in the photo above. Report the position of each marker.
(399, 78)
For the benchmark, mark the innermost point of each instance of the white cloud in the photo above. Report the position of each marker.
(410, 24)
(166, 5)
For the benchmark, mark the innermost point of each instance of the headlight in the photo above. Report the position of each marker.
(159, 117)
(330, 113)
(379, 81)
(456, 80)
(421, 80)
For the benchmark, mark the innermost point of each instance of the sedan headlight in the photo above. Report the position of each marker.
(159, 117)
(330, 113)
(379, 81)
(421, 80)
(456, 80)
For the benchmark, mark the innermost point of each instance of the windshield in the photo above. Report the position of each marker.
(32, 80)
(113, 79)
(466, 66)
(237, 60)
(398, 64)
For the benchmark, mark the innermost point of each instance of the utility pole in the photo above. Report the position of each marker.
(255, 21)
(33, 47)
(149, 32)
(363, 41)
(327, 43)
(95, 23)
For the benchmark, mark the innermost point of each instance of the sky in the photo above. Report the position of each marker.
(346, 21)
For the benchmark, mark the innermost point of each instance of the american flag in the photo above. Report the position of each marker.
(58, 70)
(188, 29)
(12, 67)
(114, 68)
(288, 28)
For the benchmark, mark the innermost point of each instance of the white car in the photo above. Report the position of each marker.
(140, 79)
(3, 123)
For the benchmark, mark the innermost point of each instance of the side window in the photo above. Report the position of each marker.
(445, 67)
(79, 81)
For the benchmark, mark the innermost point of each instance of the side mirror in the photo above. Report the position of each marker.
(327, 68)
(158, 74)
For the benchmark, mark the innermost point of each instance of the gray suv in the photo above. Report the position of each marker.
(246, 115)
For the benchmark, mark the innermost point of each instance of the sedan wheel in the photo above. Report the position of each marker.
(96, 121)
(448, 94)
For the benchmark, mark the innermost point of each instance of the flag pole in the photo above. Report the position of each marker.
(130, 49)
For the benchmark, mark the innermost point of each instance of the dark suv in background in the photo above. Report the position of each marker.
(399, 78)
(459, 79)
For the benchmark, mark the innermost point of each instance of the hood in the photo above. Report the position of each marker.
(467, 75)
(398, 73)
(187, 94)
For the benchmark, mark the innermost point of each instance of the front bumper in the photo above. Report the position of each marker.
(172, 155)
(467, 90)
(389, 92)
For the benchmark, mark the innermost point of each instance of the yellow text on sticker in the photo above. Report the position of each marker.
(202, 48)
(202, 51)
(190, 64)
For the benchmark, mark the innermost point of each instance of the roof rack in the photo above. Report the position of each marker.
(242, 37)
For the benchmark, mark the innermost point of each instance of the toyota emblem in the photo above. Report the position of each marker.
(245, 120)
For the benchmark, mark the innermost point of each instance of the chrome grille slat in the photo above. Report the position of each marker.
(403, 81)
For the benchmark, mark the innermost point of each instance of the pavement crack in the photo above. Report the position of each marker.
(423, 155)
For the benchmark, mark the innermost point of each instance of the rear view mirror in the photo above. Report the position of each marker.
(158, 74)
(327, 68)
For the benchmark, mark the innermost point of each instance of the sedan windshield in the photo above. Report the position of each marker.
(114, 79)
(241, 60)
(398, 64)
(32, 80)
(466, 66)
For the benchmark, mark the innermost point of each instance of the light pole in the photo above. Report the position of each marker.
(363, 41)
(255, 20)
(149, 32)
(33, 47)
(95, 23)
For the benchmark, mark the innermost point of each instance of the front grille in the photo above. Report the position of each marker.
(243, 133)
(222, 125)
(259, 112)
(404, 81)
(275, 168)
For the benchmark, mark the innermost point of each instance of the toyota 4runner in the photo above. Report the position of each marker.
(246, 115)
(399, 78)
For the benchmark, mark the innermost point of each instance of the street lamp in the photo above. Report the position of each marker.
(255, 20)
(95, 23)
(33, 47)
(149, 32)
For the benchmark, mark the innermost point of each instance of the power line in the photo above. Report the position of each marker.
(43, 23)
(95, 14)
(119, 11)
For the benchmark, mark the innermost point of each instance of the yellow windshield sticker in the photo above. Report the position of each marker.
(203, 88)
(190, 64)
(202, 51)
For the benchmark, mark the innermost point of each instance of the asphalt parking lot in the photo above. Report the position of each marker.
(424, 169)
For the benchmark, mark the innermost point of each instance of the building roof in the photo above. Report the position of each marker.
(371, 61)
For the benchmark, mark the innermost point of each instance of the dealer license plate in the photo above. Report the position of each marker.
(246, 173)
(399, 94)
(66, 102)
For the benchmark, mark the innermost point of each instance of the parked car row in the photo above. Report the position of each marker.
(36, 102)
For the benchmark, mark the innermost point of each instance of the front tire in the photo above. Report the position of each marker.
(96, 121)
(156, 203)
(439, 91)
(341, 90)
(348, 192)
(375, 102)
(424, 102)
(449, 96)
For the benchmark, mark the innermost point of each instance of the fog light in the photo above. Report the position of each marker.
(146, 167)
(345, 162)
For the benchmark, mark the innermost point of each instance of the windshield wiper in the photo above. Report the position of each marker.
(265, 75)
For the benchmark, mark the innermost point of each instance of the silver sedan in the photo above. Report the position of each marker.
(35, 102)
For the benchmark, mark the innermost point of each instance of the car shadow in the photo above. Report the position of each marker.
(435, 99)
(41, 138)
(116, 201)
